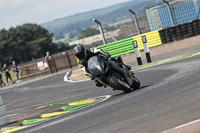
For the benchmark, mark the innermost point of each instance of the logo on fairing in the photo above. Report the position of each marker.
(91, 66)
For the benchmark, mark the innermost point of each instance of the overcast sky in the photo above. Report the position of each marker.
(18, 12)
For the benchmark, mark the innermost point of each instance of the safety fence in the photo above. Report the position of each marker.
(126, 46)
(45, 67)
(180, 31)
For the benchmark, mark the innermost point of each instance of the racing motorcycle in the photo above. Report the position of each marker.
(112, 73)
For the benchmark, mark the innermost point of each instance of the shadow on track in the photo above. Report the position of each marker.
(134, 91)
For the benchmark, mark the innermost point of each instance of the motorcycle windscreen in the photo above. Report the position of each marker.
(96, 65)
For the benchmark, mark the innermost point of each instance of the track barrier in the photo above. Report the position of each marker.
(180, 31)
(4, 119)
(146, 49)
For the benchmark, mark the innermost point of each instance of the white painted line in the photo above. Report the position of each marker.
(66, 79)
(167, 61)
(13, 114)
(186, 124)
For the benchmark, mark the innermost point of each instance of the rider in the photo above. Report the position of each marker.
(83, 55)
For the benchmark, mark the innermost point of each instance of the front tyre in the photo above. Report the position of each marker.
(136, 83)
(118, 84)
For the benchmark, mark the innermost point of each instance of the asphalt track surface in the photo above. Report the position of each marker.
(169, 96)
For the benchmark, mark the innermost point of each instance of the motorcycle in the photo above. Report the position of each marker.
(112, 73)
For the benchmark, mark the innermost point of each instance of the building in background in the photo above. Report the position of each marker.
(182, 11)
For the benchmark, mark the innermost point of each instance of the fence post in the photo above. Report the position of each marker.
(146, 49)
(49, 67)
(136, 21)
(70, 65)
(137, 52)
(54, 63)
(101, 30)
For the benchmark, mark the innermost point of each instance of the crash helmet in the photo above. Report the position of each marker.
(80, 52)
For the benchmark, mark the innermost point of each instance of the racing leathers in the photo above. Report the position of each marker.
(83, 63)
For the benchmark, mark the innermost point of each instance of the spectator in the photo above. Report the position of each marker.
(1, 81)
(7, 74)
(15, 70)
(48, 56)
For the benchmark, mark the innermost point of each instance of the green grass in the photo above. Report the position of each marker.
(12, 76)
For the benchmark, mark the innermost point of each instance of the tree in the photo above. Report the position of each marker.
(24, 43)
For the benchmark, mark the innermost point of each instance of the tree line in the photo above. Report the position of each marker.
(31, 41)
(26, 42)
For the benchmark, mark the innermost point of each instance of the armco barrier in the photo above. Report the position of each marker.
(118, 48)
(153, 39)
(126, 46)
(4, 119)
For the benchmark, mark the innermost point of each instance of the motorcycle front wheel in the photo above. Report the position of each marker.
(118, 84)
(136, 83)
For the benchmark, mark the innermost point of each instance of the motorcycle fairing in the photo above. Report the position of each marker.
(96, 65)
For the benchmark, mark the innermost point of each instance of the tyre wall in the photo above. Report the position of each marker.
(180, 31)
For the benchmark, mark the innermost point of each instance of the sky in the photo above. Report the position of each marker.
(18, 12)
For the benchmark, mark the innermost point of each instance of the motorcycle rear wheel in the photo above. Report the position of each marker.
(119, 84)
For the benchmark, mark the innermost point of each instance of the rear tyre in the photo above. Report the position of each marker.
(118, 84)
